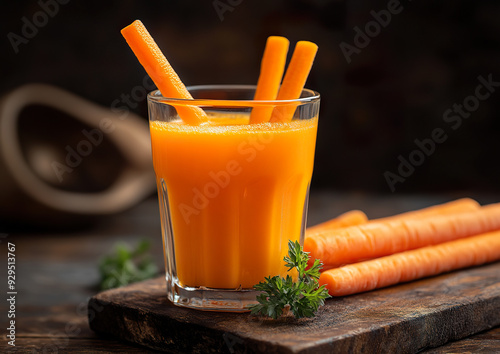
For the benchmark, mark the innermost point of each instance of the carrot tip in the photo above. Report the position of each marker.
(309, 44)
(278, 39)
(159, 69)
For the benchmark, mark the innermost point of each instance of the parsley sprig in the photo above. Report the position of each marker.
(125, 266)
(302, 297)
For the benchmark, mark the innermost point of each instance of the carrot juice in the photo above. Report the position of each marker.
(233, 194)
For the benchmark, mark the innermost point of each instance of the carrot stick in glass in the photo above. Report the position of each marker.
(271, 73)
(295, 79)
(161, 72)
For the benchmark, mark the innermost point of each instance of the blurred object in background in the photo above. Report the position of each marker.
(405, 69)
(64, 160)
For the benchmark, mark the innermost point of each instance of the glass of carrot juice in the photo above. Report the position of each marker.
(231, 193)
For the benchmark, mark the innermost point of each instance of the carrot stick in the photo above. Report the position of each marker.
(161, 72)
(357, 243)
(271, 72)
(411, 265)
(350, 218)
(455, 206)
(295, 79)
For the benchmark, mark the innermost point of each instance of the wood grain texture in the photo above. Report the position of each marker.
(57, 273)
(487, 342)
(73, 345)
(407, 318)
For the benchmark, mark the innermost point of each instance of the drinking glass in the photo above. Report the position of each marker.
(231, 194)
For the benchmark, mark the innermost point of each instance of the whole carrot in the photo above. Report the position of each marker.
(350, 218)
(455, 206)
(271, 72)
(295, 79)
(357, 243)
(411, 265)
(357, 217)
(161, 72)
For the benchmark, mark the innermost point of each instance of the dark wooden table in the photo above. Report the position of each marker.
(56, 273)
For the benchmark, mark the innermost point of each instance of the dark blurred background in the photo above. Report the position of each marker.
(397, 83)
(395, 89)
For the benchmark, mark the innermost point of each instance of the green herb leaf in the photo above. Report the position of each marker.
(125, 266)
(302, 297)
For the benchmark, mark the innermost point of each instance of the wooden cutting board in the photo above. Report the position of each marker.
(405, 319)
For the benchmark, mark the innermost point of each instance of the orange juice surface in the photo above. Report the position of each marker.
(236, 194)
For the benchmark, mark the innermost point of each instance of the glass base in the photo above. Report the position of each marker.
(209, 299)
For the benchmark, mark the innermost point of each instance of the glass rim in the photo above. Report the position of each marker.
(157, 97)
